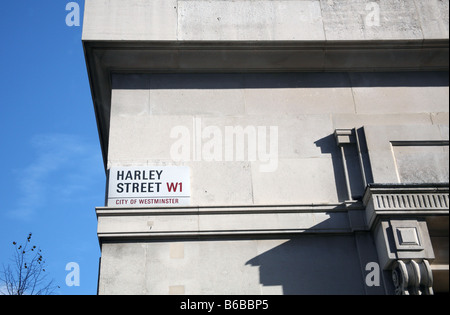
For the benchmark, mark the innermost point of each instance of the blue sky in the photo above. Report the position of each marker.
(51, 167)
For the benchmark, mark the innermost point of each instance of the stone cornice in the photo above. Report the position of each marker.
(403, 200)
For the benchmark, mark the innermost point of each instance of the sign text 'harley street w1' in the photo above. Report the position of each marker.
(149, 186)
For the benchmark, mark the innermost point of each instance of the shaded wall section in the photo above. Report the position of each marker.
(302, 264)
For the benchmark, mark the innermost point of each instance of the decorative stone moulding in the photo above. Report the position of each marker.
(412, 277)
(396, 214)
(412, 201)
(405, 200)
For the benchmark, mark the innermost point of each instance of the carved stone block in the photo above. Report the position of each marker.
(407, 235)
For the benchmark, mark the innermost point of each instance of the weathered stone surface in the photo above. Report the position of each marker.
(266, 20)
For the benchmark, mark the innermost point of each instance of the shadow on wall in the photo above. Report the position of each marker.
(357, 187)
(312, 265)
(278, 81)
(328, 145)
(319, 263)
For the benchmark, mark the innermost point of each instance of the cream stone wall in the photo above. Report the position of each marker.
(305, 108)
(229, 267)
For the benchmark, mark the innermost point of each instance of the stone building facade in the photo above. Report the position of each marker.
(271, 147)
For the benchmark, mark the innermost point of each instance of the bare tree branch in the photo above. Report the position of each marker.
(26, 274)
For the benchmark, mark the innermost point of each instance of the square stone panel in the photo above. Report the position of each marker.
(407, 236)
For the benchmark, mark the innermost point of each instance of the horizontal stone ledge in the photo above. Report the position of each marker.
(280, 44)
(231, 233)
(220, 221)
(416, 187)
(111, 211)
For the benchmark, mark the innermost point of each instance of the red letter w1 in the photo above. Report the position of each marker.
(174, 186)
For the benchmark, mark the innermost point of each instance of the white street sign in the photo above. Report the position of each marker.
(149, 186)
